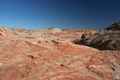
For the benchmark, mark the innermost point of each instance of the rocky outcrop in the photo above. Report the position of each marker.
(54, 30)
(43, 55)
(5, 31)
(114, 27)
(107, 39)
(46, 34)
(24, 59)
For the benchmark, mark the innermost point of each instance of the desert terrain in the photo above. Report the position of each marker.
(54, 54)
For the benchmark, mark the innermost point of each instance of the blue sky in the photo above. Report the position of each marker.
(75, 14)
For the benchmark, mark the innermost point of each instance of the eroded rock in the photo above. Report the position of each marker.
(107, 39)
(24, 58)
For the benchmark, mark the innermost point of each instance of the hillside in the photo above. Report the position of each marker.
(107, 39)
(50, 55)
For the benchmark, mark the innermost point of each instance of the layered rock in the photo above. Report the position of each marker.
(114, 27)
(107, 39)
(23, 59)
(43, 55)
(54, 30)
(47, 34)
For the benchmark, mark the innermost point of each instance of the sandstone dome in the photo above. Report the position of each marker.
(54, 30)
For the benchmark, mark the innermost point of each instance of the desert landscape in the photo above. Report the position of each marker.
(54, 54)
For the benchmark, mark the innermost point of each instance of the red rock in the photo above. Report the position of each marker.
(35, 59)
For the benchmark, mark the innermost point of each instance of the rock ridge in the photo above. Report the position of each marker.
(107, 39)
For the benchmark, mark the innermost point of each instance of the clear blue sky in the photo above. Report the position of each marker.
(75, 14)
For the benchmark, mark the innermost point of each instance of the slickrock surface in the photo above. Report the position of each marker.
(24, 58)
(107, 39)
(46, 34)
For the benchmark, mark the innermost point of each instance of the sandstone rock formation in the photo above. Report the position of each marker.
(42, 55)
(23, 59)
(107, 39)
(47, 34)
(54, 30)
